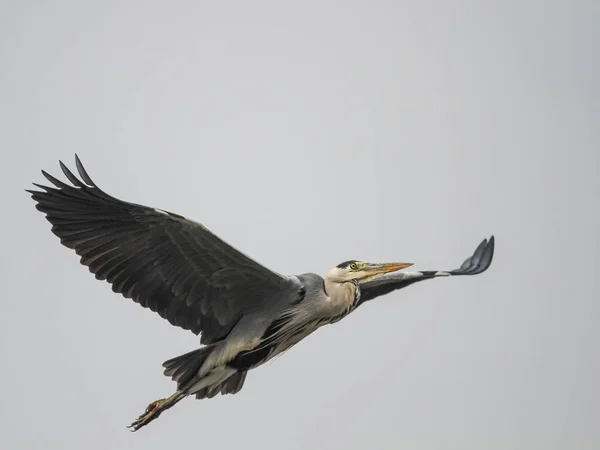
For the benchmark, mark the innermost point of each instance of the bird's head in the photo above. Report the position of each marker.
(362, 271)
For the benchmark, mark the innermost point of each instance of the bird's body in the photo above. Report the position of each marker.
(245, 313)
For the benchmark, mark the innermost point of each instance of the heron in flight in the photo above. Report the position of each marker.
(245, 313)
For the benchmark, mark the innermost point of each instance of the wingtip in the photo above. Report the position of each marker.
(491, 243)
(83, 173)
(481, 259)
(487, 255)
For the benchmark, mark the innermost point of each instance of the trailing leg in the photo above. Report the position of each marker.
(155, 409)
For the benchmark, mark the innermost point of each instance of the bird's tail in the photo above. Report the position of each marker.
(184, 367)
(231, 385)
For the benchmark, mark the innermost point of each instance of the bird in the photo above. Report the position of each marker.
(245, 313)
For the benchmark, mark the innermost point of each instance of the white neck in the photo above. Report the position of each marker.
(341, 295)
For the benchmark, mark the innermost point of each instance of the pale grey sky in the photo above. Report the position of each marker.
(439, 122)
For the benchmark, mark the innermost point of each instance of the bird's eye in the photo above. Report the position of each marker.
(354, 266)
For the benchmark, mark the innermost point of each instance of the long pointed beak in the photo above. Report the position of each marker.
(380, 269)
(392, 267)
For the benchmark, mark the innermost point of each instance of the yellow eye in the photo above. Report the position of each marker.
(354, 266)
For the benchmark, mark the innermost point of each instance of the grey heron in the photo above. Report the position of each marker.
(244, 312)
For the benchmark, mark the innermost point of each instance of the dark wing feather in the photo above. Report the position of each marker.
(473, 265)
(163, 261)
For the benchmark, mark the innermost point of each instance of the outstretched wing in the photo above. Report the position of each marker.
(473, 265)
(163, 261)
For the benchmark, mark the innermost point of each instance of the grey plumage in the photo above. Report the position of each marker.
(161, 260)
(244, 312)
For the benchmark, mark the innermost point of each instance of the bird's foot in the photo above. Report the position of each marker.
(152, 412)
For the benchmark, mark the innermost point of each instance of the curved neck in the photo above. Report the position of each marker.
(342, 294)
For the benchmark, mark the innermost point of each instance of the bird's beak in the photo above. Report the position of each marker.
(376, 270)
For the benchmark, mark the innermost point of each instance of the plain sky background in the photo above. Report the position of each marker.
(305, 134)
